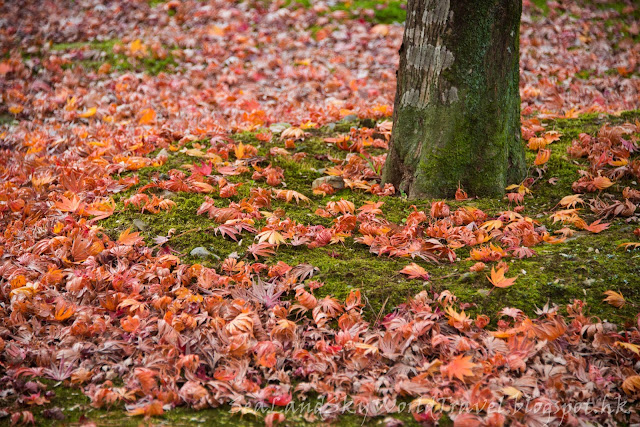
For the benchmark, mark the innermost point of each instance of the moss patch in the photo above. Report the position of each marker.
(94, 54)
(583, 267)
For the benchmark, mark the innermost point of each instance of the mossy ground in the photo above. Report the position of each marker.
(583, 267)
(92, 55)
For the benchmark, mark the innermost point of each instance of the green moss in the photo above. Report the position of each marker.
(542, 4)
(582, 267)
(377, 11)
(584, 74)
(77, 409)
(559, 273)
(118, 61)
(473, 140)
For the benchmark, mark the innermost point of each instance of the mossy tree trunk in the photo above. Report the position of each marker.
(456, 117)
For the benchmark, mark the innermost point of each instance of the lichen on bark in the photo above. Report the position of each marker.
(457, 108)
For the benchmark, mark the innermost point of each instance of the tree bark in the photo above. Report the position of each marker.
(456, 118)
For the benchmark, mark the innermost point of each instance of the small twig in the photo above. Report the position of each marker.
(384, 304)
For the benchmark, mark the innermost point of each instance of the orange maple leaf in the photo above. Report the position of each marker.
(74, 204)
(148, 115)
(64, 311)
(152, 409)
(498, 280)
(596, 227)
(90, 112)
(615, 299)
(542, 157)
(460, 367)
(414, 271)
(602, 182)
(128, 238)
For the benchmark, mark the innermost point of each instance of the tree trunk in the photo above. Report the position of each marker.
(456, 118)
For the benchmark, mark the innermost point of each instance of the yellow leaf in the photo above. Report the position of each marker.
(89, 113)
(631, 347)
(422, 403)
(571, 201)
(631, 385)
(511, 392)
(492, 225)
(271, 236)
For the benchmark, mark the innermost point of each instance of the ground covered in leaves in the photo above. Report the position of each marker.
(192, 219)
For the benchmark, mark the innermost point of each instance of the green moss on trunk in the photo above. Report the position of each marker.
(457, 115)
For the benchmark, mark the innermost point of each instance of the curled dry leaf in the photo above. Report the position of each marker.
(615, 299)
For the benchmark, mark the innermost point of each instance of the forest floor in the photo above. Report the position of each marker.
(164, 247)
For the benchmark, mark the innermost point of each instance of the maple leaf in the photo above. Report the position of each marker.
(204, 169)
(152, 409)
(306, 299)
(274, 418)
(536, 143)
(64, 310)
(602, 182)
(272, 237)
(146, 378)
(60, 372)
(542, 157)
(292, 133)
(497, 278)
(148, 115)
(242, 410)
(302, 272)
(341, 207)
(460, 321)
(82, 248)
(629, 245)
(552, 239)
(288, 195)
(571, 201)
(628, 346)
(596, 227)
(101, 210)
(414, 271)
(263, 249)
(129, 239)
(460, 367)
(89, 113)
(461, 194)
(495, 224)
(614, 298)
(74, 204)
(631, 385)
(133, 305)
(477, 267)
(266, 293)
(371, 207)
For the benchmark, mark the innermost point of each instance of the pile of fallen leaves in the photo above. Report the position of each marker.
(79, 307)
